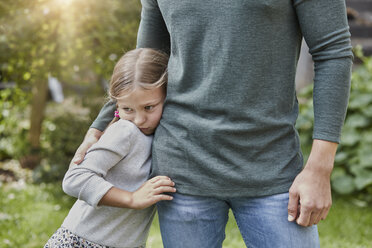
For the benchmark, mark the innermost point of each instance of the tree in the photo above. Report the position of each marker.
(76, 41)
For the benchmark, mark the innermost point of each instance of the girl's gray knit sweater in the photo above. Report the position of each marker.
(121, 158)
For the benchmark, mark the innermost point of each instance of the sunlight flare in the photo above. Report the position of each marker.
(64, 2)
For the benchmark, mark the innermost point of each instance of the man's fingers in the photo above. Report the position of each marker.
(319, 214)
(310, 214)
(293, 206)
(315, 218)
(91, 137)
(79, 155)
(324, 214)
(81, 151)
(78, 159)
(304, 217)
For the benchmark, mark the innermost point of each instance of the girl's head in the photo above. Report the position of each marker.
(138, 85)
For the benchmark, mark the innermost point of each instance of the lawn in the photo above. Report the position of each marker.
(30, 213)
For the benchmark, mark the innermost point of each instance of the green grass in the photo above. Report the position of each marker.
(29, 215)
(347, 226)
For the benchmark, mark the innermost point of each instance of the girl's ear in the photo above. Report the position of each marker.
(116, 113)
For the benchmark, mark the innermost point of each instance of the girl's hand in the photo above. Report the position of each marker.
(152, 191)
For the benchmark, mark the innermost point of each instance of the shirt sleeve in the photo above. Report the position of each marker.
(152, 32)
(105, 116)
(325, 28)
(86, 181)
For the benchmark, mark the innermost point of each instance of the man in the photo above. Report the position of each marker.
(227, 136)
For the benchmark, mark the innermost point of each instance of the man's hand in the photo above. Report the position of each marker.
(310, 194)
(91, 137)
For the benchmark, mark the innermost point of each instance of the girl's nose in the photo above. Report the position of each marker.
(139, 120)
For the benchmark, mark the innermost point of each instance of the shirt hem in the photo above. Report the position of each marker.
(235, 192)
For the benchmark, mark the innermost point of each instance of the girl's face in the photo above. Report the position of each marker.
(142, 107)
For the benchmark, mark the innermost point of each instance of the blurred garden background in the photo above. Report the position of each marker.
(56, 57)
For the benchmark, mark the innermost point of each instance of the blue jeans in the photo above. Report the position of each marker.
(192, 221)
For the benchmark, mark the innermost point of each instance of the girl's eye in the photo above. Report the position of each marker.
(149, 107)
(127, 110)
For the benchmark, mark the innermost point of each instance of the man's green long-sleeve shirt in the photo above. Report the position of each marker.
(228, 127)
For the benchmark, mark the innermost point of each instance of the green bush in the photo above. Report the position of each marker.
(61, 136)
(62, 132)
(14, 124)
(353, 162)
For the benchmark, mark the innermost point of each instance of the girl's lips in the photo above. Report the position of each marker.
(145, 130)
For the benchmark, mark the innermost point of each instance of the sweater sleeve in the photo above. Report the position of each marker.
(324, 26)
(87, 180)
(152, 32)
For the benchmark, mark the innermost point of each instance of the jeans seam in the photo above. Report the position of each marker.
(237, 223)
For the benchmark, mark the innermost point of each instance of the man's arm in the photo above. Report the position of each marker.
(95, 131)
(91, 137)
(310, 194)
(152, 32)
(324, 26)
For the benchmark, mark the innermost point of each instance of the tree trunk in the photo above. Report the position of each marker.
(38, 104)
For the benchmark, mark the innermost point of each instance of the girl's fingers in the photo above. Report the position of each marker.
(162, 198)
(164, 189)
(157, 178)
(163, 182)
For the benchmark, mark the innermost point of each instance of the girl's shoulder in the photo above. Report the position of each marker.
(122, 130)
(119, 137)
(124, 126)
(123, 123)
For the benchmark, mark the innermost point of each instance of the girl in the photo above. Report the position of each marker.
(115, 199)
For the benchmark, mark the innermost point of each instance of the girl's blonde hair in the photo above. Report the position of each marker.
(143, 67)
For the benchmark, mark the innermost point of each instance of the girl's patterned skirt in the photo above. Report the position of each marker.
(66, 239)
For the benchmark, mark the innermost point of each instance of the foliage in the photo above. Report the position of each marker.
(61, 137)
(63, 131)
(13, 127)
(76, 41)
(353, 162)
(30, 214)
